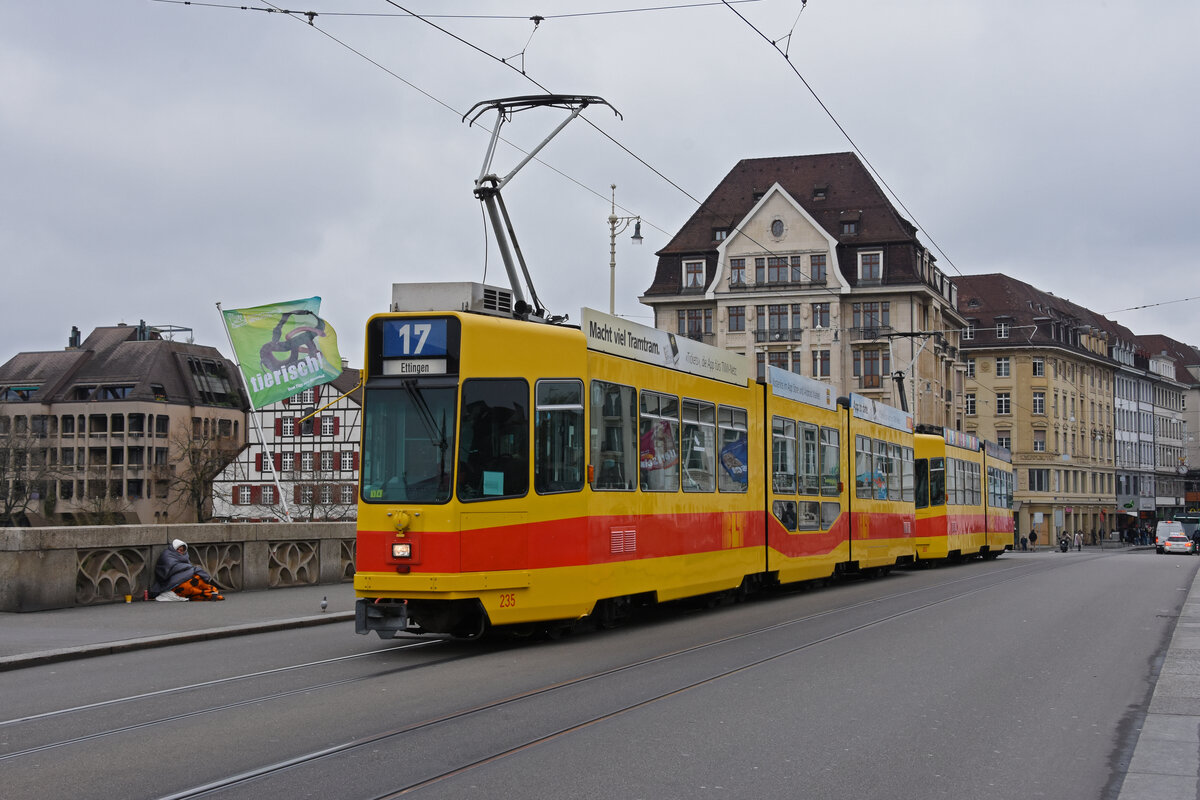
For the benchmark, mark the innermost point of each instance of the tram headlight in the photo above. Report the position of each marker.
(402, 550)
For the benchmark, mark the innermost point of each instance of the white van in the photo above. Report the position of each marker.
(1166, 528)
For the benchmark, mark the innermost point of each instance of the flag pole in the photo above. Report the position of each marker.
(254, 418)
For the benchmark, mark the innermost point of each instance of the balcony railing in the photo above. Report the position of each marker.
(773, 286)
(778, 335)
(870, 381)
(871, 332)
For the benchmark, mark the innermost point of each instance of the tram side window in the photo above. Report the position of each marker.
(952, 488)
(906, 480)
(884, 470)
(864, 470)
(896, 473)
(493, 446)
(699, 446)
(921, 495)
(558, 436)
(783, 454)
(614, 449)
(810, 468)
(734, 472)
(659, 443)
(809, 518)
(976, 489)
(831, 462)
(937, 482)
(785, 512)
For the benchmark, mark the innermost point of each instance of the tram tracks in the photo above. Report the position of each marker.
(550, 712)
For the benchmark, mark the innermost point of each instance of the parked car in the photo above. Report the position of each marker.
(1165, 529)
(1178, 543)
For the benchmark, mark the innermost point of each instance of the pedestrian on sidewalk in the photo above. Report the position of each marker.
(177, 578)
(1033, 541)
(1079, 541)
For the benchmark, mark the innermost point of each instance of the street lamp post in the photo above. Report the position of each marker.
(613, 230)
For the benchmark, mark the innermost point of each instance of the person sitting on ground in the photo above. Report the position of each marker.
(177, 578)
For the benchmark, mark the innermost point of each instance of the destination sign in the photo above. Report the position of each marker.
(414, 337)
(413, 367)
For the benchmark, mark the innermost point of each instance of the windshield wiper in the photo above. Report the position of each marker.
(437, 434)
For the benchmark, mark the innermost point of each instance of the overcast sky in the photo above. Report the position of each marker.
(158, 158)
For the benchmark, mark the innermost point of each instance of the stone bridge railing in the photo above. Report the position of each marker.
(46, 568)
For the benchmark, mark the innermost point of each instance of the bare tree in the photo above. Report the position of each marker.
(199, 458)
(27, 471)
(103, 504)
(319, 498)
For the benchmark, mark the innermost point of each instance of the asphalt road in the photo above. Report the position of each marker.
(1020, 678)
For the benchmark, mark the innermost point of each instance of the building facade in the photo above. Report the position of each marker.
(802, 263)
(1096, 424)
(301, 462)
(126, 425)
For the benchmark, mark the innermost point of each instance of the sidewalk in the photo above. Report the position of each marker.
(44, 637)
(1164, 765)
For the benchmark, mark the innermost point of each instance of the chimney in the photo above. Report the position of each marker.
(73, 342)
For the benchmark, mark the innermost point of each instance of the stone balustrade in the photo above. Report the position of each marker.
(47, 568)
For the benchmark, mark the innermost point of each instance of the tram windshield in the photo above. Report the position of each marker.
(408, 442)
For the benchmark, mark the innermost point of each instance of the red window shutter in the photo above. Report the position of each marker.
(256, 494)
(278, 459)
(279, 426)
(356, 460)
(337, 424)
(237, 495)
(296, 495)
(286, 400)
(316, 395)
(258, 462)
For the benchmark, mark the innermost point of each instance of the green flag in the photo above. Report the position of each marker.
(283, 348)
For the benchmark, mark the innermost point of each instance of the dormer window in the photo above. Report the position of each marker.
(870, 267)
(849, 227)
(719, 234)
(820, 192)
(693, 274)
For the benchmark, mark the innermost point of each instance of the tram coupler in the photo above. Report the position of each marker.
(385, 618)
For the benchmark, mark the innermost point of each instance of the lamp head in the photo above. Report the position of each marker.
(637, 232)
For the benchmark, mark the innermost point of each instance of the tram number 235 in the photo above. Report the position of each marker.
(508, 600)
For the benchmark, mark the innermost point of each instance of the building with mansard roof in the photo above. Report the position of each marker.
(127, 425)
(301, 461)
(1094, 420)
(801, 262)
